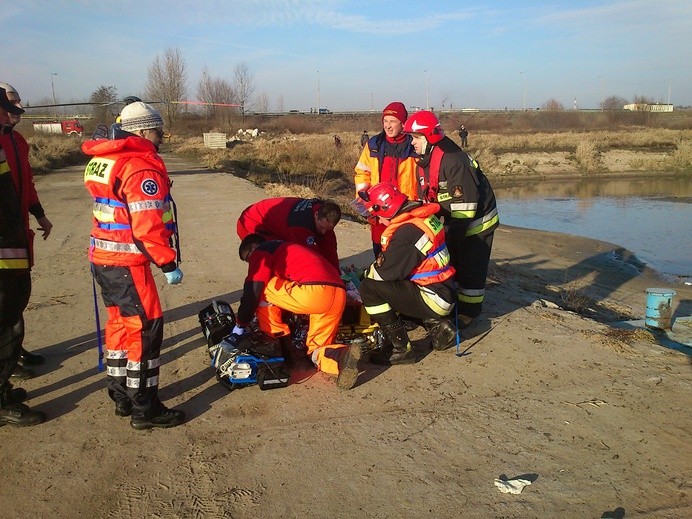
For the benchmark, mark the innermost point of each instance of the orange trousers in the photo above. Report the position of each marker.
(323, 303)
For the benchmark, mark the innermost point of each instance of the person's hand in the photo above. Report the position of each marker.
(45, 226)
(174, 277)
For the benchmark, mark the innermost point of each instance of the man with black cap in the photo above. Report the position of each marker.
(133, 226)
(17, 154)
(388, 157)
(15, 285)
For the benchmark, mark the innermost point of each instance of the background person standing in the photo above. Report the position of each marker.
(388, 157)
(17, 154)
(464, 134)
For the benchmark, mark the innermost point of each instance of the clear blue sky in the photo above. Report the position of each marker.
(492, 54)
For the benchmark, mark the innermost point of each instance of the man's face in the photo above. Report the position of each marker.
(419, 143)
(4, 117)
(323, 226)
(155, 135)
(392, 126)
(16, 101)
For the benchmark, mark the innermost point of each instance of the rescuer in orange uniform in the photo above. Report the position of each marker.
(17, 152)
(309, 222)
(412, 276)
(133, 226)
(15, 285)
(289, 276)
(388, 157)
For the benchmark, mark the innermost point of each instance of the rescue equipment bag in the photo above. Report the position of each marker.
(217, 321)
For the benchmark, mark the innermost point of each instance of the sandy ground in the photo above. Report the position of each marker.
(597, 418)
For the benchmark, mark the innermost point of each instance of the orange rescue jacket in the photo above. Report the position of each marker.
(435, 268)
(133, 220)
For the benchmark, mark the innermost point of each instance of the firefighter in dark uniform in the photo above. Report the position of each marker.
(15, 285)
(452, 178)
(412, 276)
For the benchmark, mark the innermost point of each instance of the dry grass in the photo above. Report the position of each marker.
(54, 151)
(299, 151)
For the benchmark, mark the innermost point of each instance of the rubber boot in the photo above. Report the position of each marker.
(15, 413)
(397, 349)
(348, 367)
(442, 333)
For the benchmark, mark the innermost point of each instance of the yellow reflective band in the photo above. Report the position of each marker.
(379, 309)
(167, 216)
(484, 226)
(373, 274)
(424, 244)
(4, 167)
(435, 302)
(442, 258)
(463, 214)
(443, 197)
(470, 299)
(22, 263)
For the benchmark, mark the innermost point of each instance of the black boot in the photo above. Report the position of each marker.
(158, 416)
(15, 413)
(30, 359)
(442, 333)
(22, 373)
(397, 349)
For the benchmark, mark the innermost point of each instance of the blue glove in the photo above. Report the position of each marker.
(174, 277)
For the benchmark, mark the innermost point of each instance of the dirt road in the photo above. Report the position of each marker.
(597, 420)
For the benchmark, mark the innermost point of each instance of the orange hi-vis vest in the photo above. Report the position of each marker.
(133, 219)
(435, 268)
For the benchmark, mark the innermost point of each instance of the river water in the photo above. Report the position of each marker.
(652, 217)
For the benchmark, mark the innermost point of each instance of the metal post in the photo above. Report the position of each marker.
(427, 90)
(52, 87)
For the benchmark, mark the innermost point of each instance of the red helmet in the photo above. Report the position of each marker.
(425, 123)
(383, 199)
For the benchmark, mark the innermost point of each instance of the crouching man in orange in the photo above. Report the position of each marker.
(288, 276)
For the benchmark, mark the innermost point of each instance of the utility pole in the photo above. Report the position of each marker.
(523, 88)
(52, 87)
(318, 93)
(427, 90)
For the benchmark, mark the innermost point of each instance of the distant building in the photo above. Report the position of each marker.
(645, 107)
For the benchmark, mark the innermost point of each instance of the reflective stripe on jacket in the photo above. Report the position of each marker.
(435, 268)
(132, 215)
(17, 156)
(370, 163)
(453, 179)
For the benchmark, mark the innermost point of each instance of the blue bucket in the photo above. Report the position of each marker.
(659, 311)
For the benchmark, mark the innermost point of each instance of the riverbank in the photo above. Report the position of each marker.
(589, 413)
